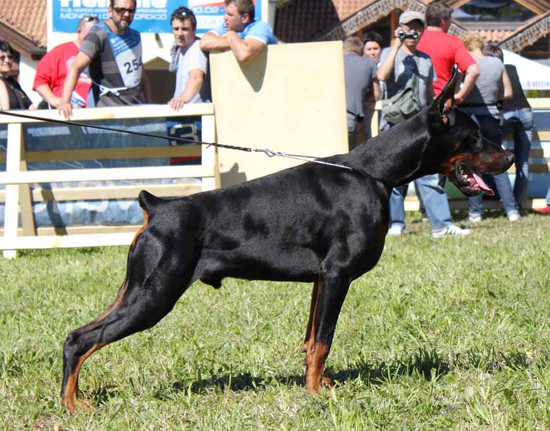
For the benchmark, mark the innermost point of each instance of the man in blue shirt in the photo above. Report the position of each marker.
(239, 32)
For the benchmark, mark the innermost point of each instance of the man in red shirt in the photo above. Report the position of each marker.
(52, 69)
(446, 50)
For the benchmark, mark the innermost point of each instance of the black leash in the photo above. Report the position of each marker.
(266, 151)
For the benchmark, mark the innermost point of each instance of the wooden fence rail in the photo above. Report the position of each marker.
(19, 198)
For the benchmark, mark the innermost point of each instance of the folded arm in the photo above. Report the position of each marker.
(213, 42)
(244, 49)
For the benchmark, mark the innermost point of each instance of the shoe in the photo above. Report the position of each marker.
(474, 218)
(514, 216)
(396, 230)
(545, 210)
(451, 230)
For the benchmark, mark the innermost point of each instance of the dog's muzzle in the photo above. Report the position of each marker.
(468, 180)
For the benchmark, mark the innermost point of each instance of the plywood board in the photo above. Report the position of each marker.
(291, 98)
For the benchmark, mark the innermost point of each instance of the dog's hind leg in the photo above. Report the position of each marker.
(332, 290)
(156, 277)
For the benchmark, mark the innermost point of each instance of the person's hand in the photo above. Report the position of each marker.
(176, 103)
(65, 109)
(55, 102)
(396, 42)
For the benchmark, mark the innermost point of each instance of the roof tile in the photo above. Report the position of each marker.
(346, 8)
(27, 17)
(493, 35)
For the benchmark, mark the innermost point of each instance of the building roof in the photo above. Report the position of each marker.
(308, 20)
(302, 20)
(23, 25)
(493, 35)
(346, 8)
(537, 6)
(527, 34)
(23, 22)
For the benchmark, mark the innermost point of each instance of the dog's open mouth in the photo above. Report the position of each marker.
(469, 181)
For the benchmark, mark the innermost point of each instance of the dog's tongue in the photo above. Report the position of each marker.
(484, 187)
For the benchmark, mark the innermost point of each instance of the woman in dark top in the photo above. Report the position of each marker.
(481, 104)
(12, 95)
(518, 120)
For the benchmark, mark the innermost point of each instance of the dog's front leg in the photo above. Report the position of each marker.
(313, 306)
(329, 294)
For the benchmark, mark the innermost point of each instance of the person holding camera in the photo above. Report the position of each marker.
(408, 71)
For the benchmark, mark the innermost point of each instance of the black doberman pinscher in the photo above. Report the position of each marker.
(311, 223)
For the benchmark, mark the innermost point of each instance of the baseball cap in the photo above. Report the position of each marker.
(410, 15)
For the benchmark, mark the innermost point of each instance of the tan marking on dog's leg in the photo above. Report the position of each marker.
(71, 391)
(113, 304)
(316, 357)
(122, 291)
(312, 309)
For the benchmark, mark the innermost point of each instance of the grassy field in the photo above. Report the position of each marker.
(448, 334)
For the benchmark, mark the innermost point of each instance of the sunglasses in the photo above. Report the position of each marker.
(85, 19)
(122, 10)
(6, 57)
(184, 13)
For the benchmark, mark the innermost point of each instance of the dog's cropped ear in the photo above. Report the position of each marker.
(446, 100)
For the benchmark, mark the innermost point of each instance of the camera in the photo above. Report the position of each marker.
(402, 35)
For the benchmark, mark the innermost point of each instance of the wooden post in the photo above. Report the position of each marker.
(13, 167)
(210, 154)
(25, 199)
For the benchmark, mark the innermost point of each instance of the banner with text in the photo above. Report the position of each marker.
(152, 16)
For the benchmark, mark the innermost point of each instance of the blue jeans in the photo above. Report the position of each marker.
(520, 123)
(433, 197)
(489, 126)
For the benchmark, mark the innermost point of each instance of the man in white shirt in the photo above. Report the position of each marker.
(188, 62)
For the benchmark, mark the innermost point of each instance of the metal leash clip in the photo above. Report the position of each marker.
(268, 152)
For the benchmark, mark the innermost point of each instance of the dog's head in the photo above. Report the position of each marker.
(466, 154)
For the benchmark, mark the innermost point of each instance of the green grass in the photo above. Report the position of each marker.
(448, 334)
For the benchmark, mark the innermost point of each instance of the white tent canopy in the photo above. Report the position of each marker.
(532, 75)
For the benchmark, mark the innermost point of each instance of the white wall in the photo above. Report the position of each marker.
(27, 69)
